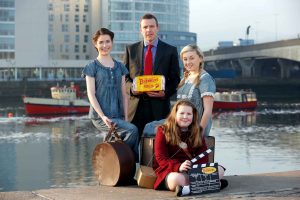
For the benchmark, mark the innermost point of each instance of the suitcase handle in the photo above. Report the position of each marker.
(113, 131)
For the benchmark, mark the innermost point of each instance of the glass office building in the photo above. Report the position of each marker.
(7, 29)
(123, 17)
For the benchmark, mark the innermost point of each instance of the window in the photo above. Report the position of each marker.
(87, 28)
(77, 8)
(50, 7)
(121, 16)
(51, 17)
(86, 8)
(51, 48)
(50, 27)
(86, 38)
(64, 57)
(50, 38)
(119, 47)
(64, 28)
(7, 15)
(76, 19)
(84, 48)
(7, 55)
(66, 7)
(7, 43)
(163, 37)
(66, 48)
(84, 18)
(182, 37)
(76, 48)
(77, 28)
(66, 18)
(77, 38)
(7, 4)
(120, 6)
(7, 29)
(66, 38)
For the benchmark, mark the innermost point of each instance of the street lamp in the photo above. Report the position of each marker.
(247, 34)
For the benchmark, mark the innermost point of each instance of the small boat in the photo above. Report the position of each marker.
(235, 100)
(64, 101)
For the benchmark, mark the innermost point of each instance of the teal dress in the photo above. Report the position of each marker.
(195, 94)
(108, 83)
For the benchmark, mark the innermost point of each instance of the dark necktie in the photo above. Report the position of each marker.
(148, 61)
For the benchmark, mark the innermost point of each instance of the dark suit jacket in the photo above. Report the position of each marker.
(165, 63)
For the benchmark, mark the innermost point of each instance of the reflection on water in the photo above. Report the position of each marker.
(267, 140)
(56, 152)
(42, 153)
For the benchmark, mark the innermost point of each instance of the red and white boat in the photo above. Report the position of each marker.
(235, 100)
(64, 101)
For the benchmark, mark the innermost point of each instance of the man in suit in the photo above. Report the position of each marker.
(152, 105)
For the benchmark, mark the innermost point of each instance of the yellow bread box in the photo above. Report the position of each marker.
(148, 83)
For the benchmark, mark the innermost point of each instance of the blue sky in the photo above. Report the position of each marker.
(227, 20)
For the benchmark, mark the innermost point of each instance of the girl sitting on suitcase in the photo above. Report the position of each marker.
(177, 141)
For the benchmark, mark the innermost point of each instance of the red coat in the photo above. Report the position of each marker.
(164, 163)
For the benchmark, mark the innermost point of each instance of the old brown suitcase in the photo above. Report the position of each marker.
(145, 177)
(113, 161)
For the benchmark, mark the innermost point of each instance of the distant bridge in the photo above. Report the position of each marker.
(280, 59)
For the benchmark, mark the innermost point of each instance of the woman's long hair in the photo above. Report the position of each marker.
(172, 130)
(189, 48)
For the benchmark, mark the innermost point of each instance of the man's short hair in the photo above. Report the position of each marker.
(149, 16)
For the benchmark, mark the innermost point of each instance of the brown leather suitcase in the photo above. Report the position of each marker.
(113, 161)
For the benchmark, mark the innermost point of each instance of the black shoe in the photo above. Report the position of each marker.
(224, 183)
(178, 190)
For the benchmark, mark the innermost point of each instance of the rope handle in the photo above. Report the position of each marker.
(112, 131)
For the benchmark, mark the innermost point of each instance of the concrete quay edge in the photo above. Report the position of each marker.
(279, 185)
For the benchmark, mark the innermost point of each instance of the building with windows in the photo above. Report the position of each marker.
(70, 29)
(7, 29)
(123, 18)
(51, 39)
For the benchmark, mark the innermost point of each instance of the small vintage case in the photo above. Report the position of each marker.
(146, 177)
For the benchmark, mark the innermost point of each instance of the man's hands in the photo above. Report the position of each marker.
(156, 94)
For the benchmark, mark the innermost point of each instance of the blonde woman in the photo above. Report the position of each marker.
(197, 85)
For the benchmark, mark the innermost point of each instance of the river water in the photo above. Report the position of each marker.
(55, 152)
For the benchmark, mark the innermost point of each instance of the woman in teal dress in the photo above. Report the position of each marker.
(105, 82)
(197, 85)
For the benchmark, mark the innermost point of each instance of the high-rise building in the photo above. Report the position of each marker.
(7, 29)
(70, 27)
(123, 18)
(53, 36)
